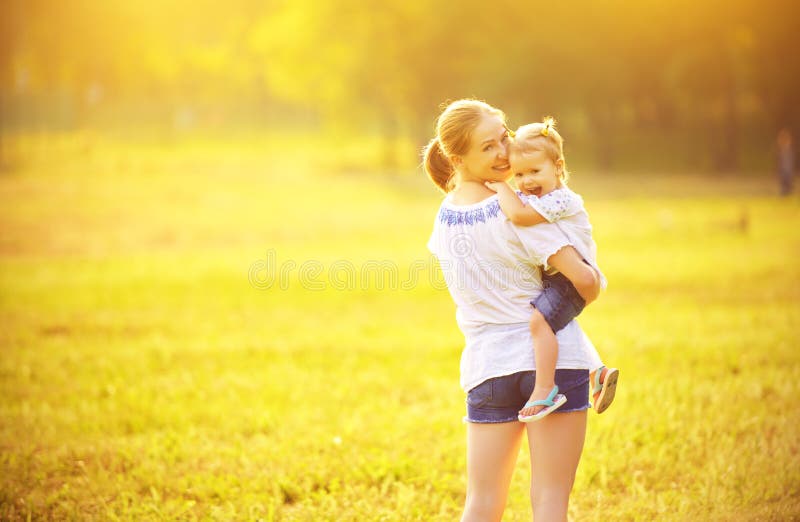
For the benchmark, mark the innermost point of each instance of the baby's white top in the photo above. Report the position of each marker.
(565, 208)
(492, 270)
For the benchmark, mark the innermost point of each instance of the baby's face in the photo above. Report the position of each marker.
(535, 173)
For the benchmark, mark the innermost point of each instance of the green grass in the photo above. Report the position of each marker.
(143, 377)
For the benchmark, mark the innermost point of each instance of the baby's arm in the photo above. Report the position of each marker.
(582, 276)
(518, 212)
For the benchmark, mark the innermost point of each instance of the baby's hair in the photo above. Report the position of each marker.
(454, 128)
(544, 137)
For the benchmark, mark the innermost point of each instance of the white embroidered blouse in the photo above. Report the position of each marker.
(493, 270)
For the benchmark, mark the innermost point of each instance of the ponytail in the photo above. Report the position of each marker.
(438, 166)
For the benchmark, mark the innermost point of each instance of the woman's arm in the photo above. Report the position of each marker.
(518, 212)
(583, 277)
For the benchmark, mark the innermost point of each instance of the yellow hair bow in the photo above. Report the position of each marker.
(548, 124)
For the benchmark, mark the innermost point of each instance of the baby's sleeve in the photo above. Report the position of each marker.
(557, 204)
(540, 242)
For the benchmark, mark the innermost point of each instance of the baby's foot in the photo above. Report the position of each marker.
(545, 406)
(538, 394)
(604, 387)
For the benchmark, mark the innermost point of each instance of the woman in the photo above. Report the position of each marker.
(492, 269)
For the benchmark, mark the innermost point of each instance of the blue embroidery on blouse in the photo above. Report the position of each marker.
(470, 217)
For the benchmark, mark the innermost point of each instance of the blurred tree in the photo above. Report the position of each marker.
(10, 25)
(360, 67)
(776, 31)
(625, 75)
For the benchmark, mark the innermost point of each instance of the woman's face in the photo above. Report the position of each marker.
(487, 157)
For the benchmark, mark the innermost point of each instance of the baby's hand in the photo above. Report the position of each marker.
(494, 185)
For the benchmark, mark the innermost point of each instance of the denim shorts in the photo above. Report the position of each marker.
(499, 399)
(559, 302)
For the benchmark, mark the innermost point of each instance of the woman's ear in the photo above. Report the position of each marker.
(456, 160)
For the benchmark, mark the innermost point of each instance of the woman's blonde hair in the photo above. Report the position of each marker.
(454, 128)
(544, 137)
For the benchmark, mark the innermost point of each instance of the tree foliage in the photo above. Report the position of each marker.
(718, 69)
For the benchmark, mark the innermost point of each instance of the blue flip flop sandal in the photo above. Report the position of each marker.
(603, 393)
(553, 402)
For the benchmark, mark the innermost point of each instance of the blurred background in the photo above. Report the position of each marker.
(648, 84)
(160, 160)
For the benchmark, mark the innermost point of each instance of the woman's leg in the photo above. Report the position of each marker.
(556, 443)
(492, 451)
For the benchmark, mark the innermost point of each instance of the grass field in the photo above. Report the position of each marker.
(156, 366)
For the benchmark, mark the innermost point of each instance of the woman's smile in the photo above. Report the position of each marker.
(503, 167)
